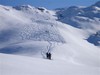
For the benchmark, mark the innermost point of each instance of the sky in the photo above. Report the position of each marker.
(49, 4)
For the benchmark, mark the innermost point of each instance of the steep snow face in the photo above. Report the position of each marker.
(26, 23)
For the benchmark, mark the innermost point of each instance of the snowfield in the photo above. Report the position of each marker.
(21, 65)
(27, 33)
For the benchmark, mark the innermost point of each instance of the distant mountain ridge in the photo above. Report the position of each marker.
(75, 15)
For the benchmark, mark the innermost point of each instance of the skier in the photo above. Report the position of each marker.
(48, 55)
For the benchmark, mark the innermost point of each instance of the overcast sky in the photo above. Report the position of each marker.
(50, 4)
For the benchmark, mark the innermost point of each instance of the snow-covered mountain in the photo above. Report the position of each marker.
(87, 18)
(67, 33)
(22, 23)
(81, 17)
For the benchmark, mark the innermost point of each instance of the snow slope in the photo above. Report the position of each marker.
(21, 65)
(31, 31)
(31, 24)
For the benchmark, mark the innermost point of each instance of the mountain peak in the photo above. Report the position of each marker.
(97, 4)
(23, 7)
